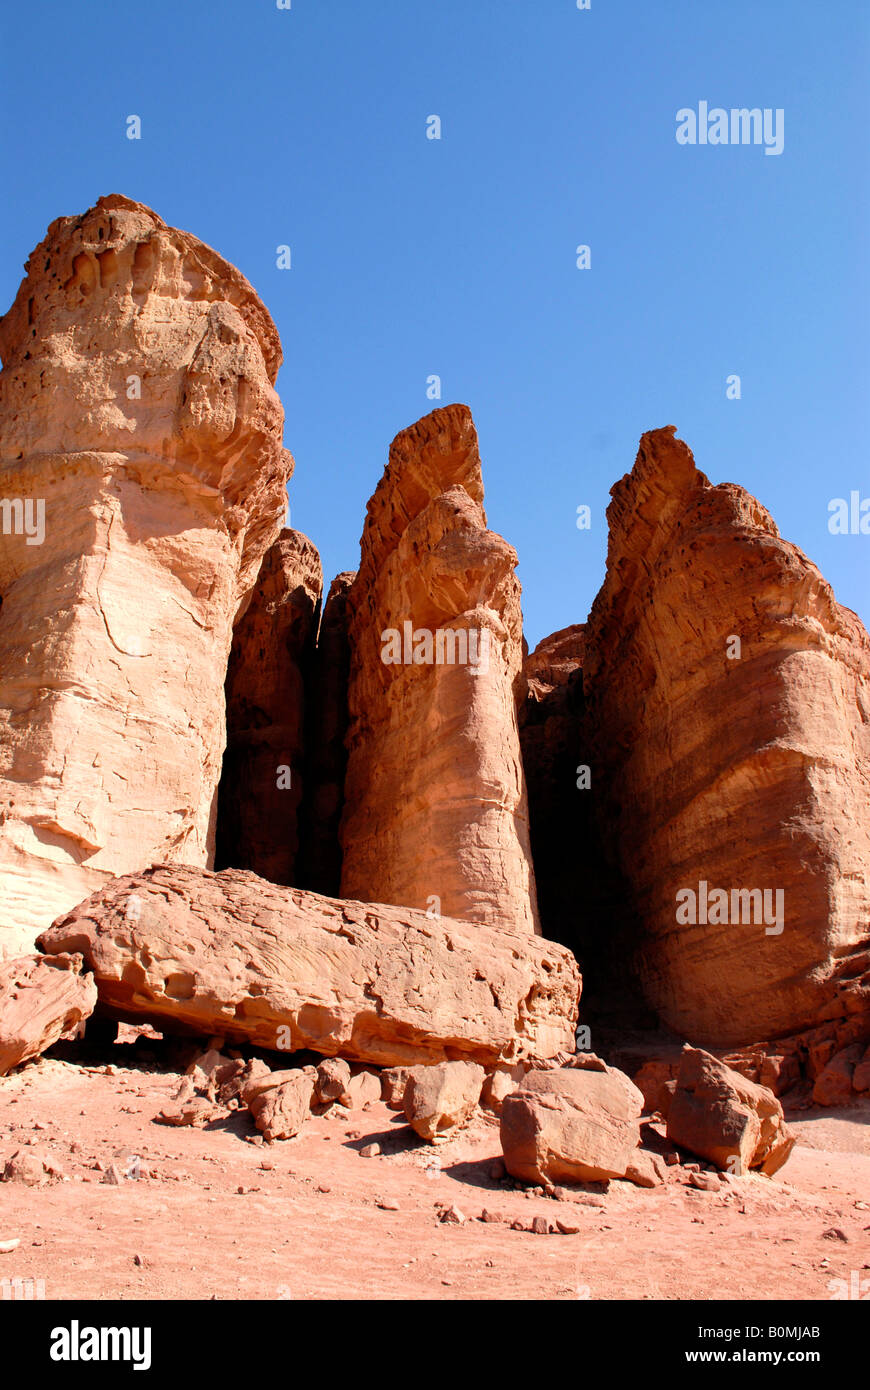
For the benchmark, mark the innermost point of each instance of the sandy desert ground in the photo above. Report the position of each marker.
(216, 1213)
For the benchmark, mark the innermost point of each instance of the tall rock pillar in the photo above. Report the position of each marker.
(728, 708)
(435, 802)
(142, 478)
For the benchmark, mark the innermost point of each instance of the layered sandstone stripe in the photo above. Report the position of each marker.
(270, 667)
(137, 402)
(435, 802)
(733, 767)
(230, 954)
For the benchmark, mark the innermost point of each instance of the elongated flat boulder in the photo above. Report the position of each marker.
(41, 999)
(229, 954)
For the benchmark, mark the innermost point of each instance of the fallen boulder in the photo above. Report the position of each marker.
(280, 1110)
(333, 1079)
(194, 1113)
(361, 1091)
(500, 1082)
(393, 1083)
(31, 1168)
(834, 1084)
(232, 955)
(651, 1080)
(443, 1098)
(42, 998)
(719, 1115)
(646, 1169)
(571, 1125)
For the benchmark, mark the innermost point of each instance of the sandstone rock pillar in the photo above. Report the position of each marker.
(728, 706)
(138, 418)
(435, 802)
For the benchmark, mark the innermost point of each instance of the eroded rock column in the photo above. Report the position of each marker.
(138, 412)
(435, 803)
(728, 704)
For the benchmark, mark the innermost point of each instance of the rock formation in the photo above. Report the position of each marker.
(269, 671)
(42, 999)
(435, 804)
(728, 701)
(229, 954)
(571, 1125)
(281, 1102)
(439, 1100)
(719, 1115)
(326, 755)
(140, 442)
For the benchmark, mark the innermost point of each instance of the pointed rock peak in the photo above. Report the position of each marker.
(441, 451)
(662, 454)
(426, 460)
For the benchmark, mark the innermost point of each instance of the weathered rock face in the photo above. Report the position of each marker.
(326, 755)
(42, 998)
(137, 404)
(435, 802)
(719, 1115)
(835, 1083)
(731, 772)
(231, 955)
(269, 670)
(571, 1125)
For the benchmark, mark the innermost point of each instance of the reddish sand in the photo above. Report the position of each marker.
(217, 1216)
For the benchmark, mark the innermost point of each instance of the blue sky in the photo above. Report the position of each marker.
(412, 257)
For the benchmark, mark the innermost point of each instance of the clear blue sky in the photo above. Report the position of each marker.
(307, 126)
